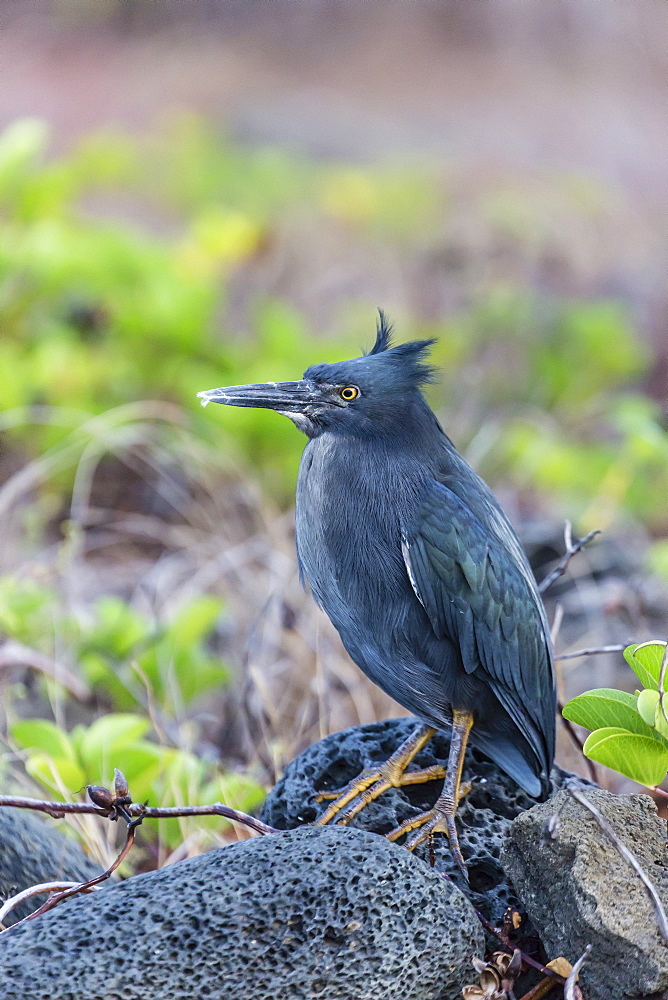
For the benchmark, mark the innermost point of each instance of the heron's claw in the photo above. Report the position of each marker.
(373, 781)
(440, 819)
(367, 786)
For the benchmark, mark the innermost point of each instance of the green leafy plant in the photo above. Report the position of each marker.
(150, 675)
(127, 656)
(63, 762)
(629, 732)
(128, 659)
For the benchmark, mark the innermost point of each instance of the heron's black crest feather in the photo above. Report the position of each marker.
(410, 355)
(383, 334)
(388, 368)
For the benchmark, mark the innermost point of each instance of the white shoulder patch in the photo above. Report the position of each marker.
(407, 560)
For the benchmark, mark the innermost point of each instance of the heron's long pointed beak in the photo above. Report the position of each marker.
(283, 396)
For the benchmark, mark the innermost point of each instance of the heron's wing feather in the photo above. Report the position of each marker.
(478, 591)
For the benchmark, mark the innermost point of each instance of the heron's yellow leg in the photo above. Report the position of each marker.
(373, 781)
(441, 819)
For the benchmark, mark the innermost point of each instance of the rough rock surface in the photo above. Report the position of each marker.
(579, 890)
(317, 912)
(32, 851)
(483, 819)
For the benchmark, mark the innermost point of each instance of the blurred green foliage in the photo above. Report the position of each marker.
(127, 659)
(658, 558)
(62, 763)
(96, 311)
(146, 676)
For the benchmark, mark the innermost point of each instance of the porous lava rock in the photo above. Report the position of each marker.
(483, 819)
(32, 851)
(312, 913)
(579, 890)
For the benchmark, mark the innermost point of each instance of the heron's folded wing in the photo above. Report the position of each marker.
(478, 591)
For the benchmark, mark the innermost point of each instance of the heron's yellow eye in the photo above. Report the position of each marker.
(349, 392)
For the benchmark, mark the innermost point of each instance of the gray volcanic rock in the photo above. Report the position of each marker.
(317, 912)
(579, 890)
(32, 851)
(483, 819)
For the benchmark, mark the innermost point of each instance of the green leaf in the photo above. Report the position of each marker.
(645, 661)
(650, 655)
(100, 743)
(141, 764)
(59, 775)
(653, 711)
(647, 705)
(194, 622)
(21, 143)
(638, 757)
(108, 675)
(42, 734)
(181, 778)
(607, 707)
(240, 791)
(196, 674)
(118, 628)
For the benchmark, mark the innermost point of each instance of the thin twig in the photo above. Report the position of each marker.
(73, 890)
(215, 809)
(541, 989)
(570, 987)
(504, 939)
(628, 855)
(137, 810)
(556, 624)
(617, 647)
(36, 890)
(507, 943)
(568, 726)
(114, 806)
(572, 548)
(55, 809)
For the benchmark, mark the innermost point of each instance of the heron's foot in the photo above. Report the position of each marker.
(367, 786)
(373, 781)
(440, 819)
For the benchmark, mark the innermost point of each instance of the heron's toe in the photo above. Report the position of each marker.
(362, 788)
(424, 826)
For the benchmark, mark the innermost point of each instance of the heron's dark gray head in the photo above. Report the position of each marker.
(375, 392)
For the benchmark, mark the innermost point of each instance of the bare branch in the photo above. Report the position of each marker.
(114, 806)
(572, 548)
(215, 809)
(617, 647)
(627, 854)
(541, 989)
(55, 809)
(137, 811)
(36, 890)
(505, 941)
(571, 991)
(78, 887)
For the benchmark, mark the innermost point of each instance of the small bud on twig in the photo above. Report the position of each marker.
(100, 795)
(121, 786)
